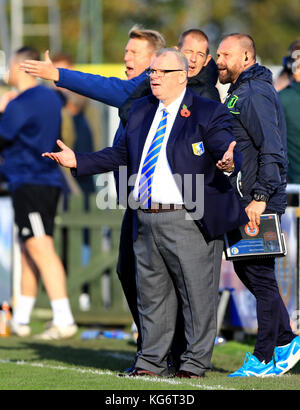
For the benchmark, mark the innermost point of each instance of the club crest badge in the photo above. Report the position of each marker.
(231, 103)
(234, 250)
(198, 148)
(251, 232)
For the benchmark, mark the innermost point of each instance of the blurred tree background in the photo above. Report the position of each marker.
(274, 24)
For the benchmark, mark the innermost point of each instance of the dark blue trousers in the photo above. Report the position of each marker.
(258, 275)
(126, 270)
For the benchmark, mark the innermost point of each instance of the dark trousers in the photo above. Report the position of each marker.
(126, 270)
(258, 275)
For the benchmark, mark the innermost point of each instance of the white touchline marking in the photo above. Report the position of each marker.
(53, 367)
(110, 373)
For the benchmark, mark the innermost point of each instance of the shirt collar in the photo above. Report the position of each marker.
(174, 106)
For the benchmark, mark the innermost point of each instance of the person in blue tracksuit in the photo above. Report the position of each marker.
(260, 131)
(31, 122)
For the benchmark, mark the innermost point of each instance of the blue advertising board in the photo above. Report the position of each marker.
(6, 244)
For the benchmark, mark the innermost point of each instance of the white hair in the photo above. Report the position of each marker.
(179, 55)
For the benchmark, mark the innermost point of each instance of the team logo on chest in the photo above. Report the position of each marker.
(198, 148)
(231, 104)
(232, 101)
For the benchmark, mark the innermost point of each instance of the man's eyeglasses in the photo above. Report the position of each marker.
(160, 73)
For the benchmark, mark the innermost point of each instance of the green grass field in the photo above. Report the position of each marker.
(28, 364)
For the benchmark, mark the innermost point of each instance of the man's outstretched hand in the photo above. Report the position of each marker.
(43, 69)
(66, 157)
(226, 164)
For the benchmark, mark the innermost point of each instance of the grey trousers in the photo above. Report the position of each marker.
(174, 261)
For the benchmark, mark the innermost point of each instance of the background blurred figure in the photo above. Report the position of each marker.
(203, 71)
(4, 89)
(290, 99)
(285, 77)
(31, 122)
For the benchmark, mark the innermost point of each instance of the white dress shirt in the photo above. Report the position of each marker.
(164, 187)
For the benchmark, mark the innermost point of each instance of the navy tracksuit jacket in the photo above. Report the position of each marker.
(260, 131)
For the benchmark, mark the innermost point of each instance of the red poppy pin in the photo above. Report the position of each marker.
(185, 112)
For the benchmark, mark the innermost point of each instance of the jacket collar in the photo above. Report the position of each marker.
(207, 76)
(256, 71)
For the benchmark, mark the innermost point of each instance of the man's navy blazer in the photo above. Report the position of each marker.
(209, 127)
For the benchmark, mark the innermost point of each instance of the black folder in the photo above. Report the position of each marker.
(267, 240)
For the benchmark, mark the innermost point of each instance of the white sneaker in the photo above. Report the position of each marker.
(20, 330)
(58, 332)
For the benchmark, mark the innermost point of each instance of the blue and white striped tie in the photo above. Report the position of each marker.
(145, 184)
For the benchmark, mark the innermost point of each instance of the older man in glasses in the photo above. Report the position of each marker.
(177, 144)
(140, 51)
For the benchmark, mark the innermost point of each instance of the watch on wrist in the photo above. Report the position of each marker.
(260, 197)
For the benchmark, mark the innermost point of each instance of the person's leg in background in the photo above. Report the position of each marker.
(40, 255)
(29, 288)
(35, 209)
(126, 270)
